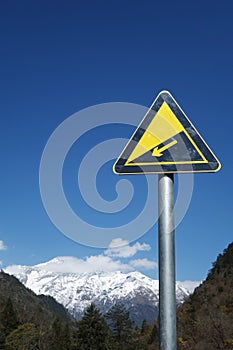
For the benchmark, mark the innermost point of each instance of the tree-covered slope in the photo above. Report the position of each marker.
(28, 321)
(27, 304)
(205, 320)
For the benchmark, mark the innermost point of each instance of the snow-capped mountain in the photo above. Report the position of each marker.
(138, 293)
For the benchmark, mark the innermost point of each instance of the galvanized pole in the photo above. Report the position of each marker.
(167, 281)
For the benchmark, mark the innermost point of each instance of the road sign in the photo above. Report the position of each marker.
(166, 142)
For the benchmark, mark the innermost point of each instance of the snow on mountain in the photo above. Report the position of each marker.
(138, 293)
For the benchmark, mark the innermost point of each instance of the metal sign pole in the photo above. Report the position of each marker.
(167, 281)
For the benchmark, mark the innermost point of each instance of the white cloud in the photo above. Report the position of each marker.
(121, 248)
(108, 262)
(143, 264)
(190, 285)
(1, 262)
(95, 263)
(91, 264)
(2, 246)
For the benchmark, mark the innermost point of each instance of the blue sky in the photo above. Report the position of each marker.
(59, 57)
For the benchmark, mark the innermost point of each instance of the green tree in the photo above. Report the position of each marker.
(93, 332)
(8, 321)
(140, 339)
(25, 337)
(121, 327)
(8, 318)
(145, 327)
(66, 337)
(56, 339)
(58, 336)
(154, 336)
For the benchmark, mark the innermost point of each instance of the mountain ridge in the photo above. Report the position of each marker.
(27, 302)
(76, 291)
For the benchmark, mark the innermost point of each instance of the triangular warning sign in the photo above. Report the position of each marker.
(166, 142)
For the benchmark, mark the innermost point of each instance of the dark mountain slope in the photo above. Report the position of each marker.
(29, 306)
(205, 320)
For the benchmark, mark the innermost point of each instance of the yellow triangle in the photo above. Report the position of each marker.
(161, 128)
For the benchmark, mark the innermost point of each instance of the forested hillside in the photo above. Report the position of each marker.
(205, 320)
(28, 321)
